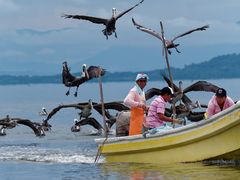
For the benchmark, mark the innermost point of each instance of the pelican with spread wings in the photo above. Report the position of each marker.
(110, 24)
(10, 123)
(69, 80)
(169, 43)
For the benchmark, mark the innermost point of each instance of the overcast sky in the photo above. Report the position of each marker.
(34, 33)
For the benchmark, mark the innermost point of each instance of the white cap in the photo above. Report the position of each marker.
(142, 76)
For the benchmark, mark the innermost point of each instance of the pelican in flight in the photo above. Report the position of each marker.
(89, 73)
(169, 43)
(110, 24)
(180, 94)
(10, 123)
(87, 121)
(86, 108)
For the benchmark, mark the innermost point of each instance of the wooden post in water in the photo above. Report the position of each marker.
(102, 102)
(167, 62)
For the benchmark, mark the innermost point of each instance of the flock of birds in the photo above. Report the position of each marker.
(184, 108)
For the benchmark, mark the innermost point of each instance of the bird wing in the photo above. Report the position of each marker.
(66, 75)
(124, 12)
(175, 87)
(152, 92)
(196, 116)
(201, 86)
(90, 121)
(147, 30)
(28, 123)
(92, 19)
(93, 71)
(115, 105)
(58, 108)
(189, 32)
(185, 99)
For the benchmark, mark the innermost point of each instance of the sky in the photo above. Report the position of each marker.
(35, 39)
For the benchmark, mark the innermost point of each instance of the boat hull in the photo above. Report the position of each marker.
(215, 138)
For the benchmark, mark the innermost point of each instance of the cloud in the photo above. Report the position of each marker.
(7, 6)
(40, 33)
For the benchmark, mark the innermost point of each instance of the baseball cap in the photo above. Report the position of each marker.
(142, 76)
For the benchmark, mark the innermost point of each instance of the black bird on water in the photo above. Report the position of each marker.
(89, 73)
(110, 24)
(169, 43)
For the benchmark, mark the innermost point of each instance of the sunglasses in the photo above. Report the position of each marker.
(142, 80)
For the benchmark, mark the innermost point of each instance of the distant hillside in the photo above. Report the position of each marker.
(225, 66)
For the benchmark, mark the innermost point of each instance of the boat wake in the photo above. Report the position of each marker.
(34, 153)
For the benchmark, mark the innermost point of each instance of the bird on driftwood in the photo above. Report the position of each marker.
(110, 24)
(169, 43)
(89, 73)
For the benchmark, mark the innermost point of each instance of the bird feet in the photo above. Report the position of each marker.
(67, 93)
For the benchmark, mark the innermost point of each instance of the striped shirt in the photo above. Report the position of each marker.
(158, 105)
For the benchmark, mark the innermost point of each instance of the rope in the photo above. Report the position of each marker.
(99, 152)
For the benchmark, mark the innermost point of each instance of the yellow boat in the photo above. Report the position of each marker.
(215, 138)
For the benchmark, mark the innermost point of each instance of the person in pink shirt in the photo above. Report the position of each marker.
(136, 96)
(136, 101)
(156, 117)
(219, 102)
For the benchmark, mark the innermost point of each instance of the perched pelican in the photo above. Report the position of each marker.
(70, 80)
(110, 24)
(169, 43)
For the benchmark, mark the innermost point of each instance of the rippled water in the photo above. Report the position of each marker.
(66, 155)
